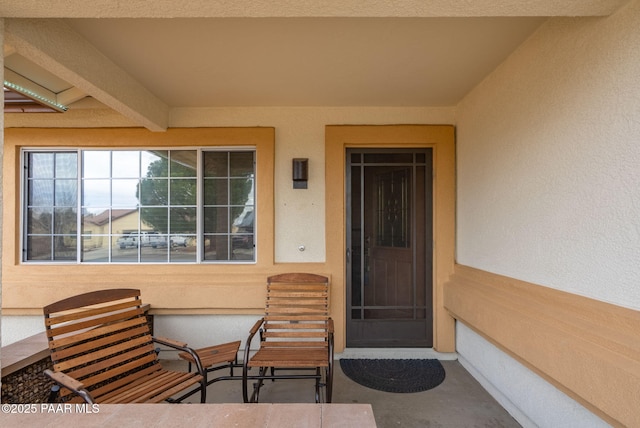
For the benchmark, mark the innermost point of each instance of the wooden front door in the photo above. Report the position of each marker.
(389, 245)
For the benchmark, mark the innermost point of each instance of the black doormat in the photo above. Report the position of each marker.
(394, 375)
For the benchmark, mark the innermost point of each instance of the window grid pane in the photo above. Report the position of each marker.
(229, 206)
(51, 206)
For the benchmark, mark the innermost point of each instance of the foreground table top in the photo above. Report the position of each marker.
(190, 415)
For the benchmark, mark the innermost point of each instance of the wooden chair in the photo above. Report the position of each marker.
(296, 334)
(102, 352)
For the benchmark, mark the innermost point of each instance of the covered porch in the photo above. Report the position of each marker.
(536, 278)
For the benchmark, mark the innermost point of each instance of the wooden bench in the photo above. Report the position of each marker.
(103, 352)
(296, 334)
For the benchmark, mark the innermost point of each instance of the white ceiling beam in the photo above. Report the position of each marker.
(53, 45)
(304, 8)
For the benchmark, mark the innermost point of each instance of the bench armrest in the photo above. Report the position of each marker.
(247, 346)
(255, 327)
(182, 346)
(71, 384)
(169, 342)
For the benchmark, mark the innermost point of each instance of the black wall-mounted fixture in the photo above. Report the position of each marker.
(300, 173)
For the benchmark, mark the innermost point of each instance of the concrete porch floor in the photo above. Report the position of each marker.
(460, 401)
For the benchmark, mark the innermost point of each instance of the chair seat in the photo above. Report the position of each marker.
(213, 355)
(290, 358)
(153, 388)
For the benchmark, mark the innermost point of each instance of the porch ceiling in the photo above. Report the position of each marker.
(142, 58)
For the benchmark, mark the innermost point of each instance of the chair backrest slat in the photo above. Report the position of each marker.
(296, 310)
(289, 317)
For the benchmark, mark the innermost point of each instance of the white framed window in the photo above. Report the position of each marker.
(139, 206)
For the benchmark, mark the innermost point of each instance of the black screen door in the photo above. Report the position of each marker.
(389, 244)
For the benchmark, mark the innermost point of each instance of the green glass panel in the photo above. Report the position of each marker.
(183, 220)
(242, 247)
(216, 164)
(154, 192)
(241, 164)
(216, 191)
(243, 218)
(156, 219)
(216, 247)
(39, 221)
(241, 191)
(39, 248)
(65, 220)
(183, 249)
(183, 191)
(155, 164)
(65, 247)
(216, 220)
(183, 163)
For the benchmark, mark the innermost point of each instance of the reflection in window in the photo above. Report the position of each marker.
(229, 183)
(51, 206)
(139, 206)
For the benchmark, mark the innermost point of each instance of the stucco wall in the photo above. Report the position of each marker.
(548, 155)
(548, 183)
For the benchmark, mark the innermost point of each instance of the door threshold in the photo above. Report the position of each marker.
(395, 353)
